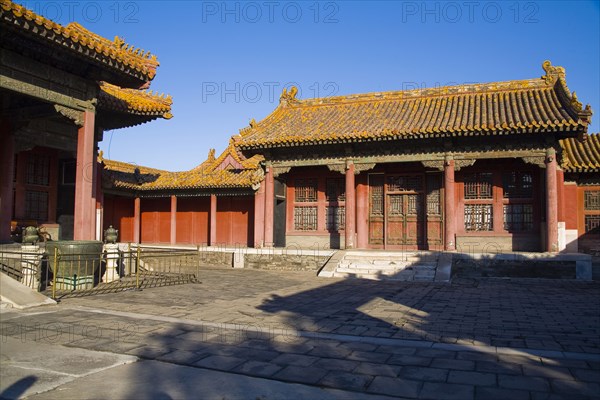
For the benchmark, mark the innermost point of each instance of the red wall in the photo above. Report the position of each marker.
(192, 219)
(156, 220)
(570, 205)
(118, 212)
(235, 220)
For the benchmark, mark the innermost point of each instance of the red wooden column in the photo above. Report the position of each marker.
(449, 206)
(551, 203)
(259, 216)
(7, 159)
(362, 207)
(85, 204)
(136, 219)
(212, 240)
(350, 206)
(269, 206)
(173, 219)
(99, 203)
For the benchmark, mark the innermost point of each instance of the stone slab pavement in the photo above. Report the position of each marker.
(472, 339)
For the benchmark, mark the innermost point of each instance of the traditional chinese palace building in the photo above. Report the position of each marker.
(60, 88)
(503, 166)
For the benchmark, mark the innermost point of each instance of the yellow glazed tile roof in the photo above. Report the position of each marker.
(525, 106)
(134, 101)
(74, 37)
(581, 156)
(214, 173)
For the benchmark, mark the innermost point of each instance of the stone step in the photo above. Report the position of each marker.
(374, 271)
(391, 258)
(379, 277)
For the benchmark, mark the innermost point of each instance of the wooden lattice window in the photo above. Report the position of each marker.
(335, 189)
(517, 185)
(38, 170)
(305, 190)
(404, 184)
(434, 206)
(592, 225)
(305, 218)
(591, 209)
(36, 205)
(478, 186)
(479, 217)
(591, 200)
(518, 217)
(336, 218)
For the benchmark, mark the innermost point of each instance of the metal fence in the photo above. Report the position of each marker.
(116, 269)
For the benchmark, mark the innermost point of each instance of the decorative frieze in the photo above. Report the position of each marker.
(358, 168)
(280, 170)
(70, 113)
(435, 164)
(540, 161)
(459, 164)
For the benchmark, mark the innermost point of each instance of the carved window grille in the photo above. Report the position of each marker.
(305, 218)
(518, 217)
(517, 185)
(478, 186)
(305, 190)
(478, 217)
(592, 225)
(38, 170)
(404, 183)
(591, 200)
(336, 218)
(335, 189)
(376, 195)
(434, 183)
(36, 205)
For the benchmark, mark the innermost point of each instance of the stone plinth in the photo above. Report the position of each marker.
(112, 263)
(30, 263)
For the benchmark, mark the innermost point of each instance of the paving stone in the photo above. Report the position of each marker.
(494, 393)
(498, 368)
(377, 369)
(547, 371)
(524, 383)
(336, 364)
(424, 373)
(409, 360)
(396, 387)
(473, 378)
(446, 391)
(465, 365)
(330, 351)
(436, 353)
(476, 356)
(258, 368)
(294, 373)
(368, 356)
(223, 363)
(183, 357)
(568, 387)
(295, 359)
(256, 354)
(587, 375)
(396, 350)
(346, 380)
(148, 352)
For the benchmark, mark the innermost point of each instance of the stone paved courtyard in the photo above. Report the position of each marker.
(472, 339)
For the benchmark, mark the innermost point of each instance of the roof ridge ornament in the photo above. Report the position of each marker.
(288, 97)
(552, 72)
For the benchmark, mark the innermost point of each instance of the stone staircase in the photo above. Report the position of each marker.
(400, 266)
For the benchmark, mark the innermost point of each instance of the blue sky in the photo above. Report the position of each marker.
(225, 63)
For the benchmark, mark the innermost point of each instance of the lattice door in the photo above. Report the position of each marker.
(376, 210)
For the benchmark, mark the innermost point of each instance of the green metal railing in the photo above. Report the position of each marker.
(120, 268)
